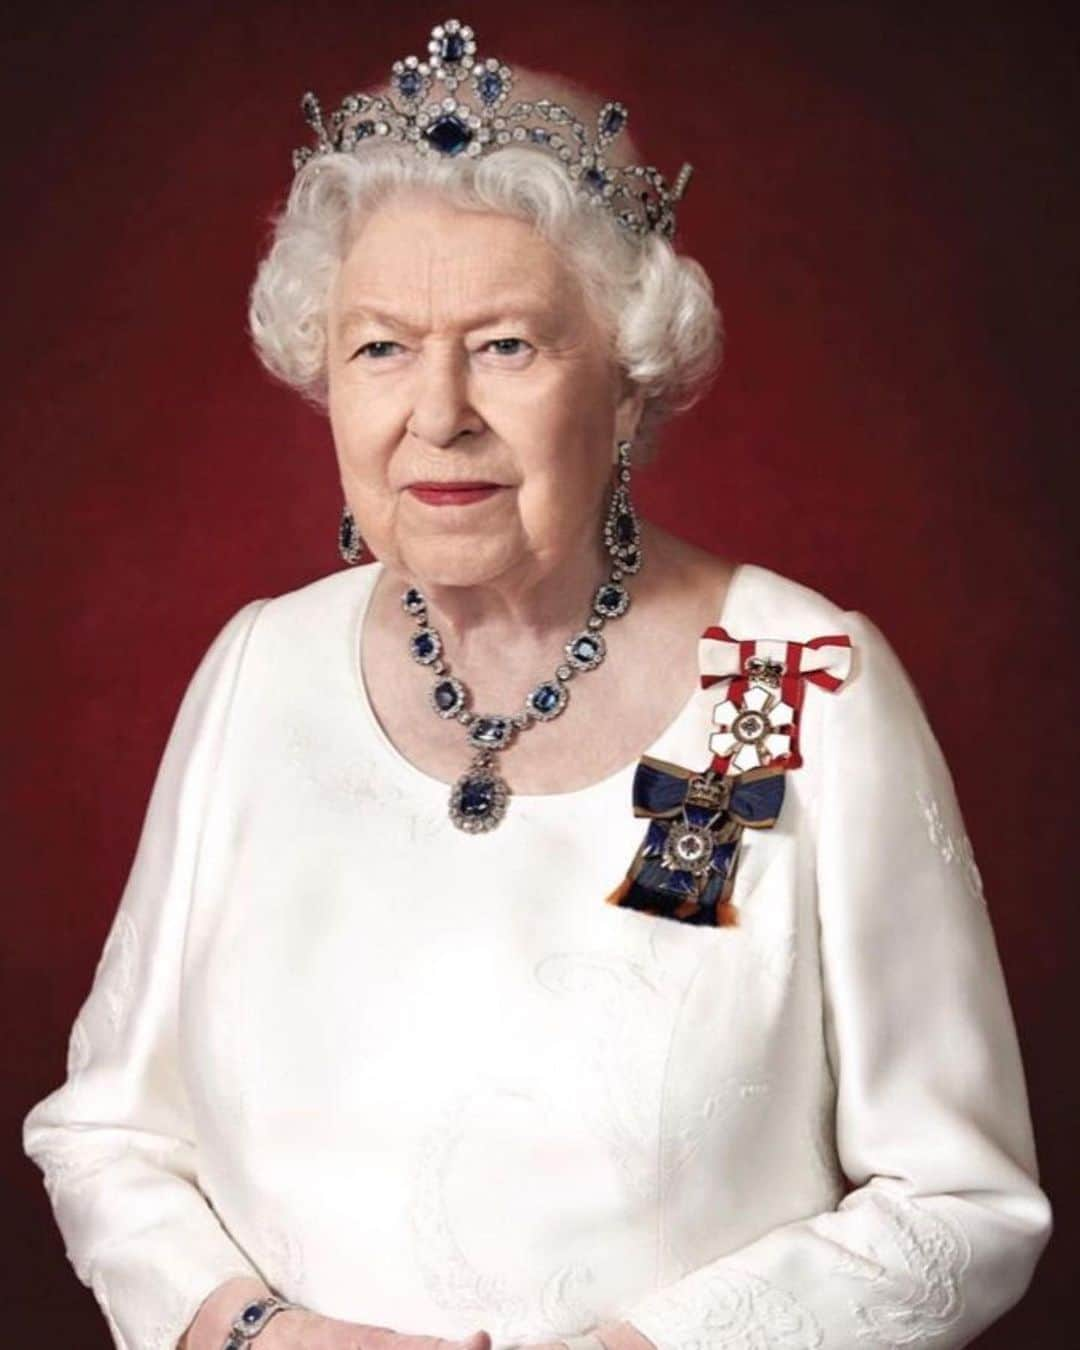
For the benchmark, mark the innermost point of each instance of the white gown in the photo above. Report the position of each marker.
(433, 1081)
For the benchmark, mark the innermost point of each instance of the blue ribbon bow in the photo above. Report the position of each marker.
(660, 794)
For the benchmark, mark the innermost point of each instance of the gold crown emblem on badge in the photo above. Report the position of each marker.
(455, 102)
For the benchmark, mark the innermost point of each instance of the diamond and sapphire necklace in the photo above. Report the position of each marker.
(479, 798)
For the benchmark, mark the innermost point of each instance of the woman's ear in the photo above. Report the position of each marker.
(629, 409)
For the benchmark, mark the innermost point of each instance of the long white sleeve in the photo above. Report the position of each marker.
(115, 1141)
(946, 1222)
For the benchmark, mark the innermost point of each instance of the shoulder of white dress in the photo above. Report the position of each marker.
(317, 604)
(768, 604)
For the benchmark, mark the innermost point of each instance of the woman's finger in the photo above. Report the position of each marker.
(374, 1337)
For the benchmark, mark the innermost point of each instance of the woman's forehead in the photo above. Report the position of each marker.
(418, 244)
(465, 301)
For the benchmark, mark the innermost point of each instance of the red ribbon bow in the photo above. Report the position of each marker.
(764, 683)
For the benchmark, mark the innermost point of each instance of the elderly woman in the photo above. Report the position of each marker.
(550, 933)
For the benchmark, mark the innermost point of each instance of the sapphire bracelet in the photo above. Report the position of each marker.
(253, 1317)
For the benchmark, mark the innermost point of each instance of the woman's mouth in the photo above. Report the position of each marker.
(452, 494)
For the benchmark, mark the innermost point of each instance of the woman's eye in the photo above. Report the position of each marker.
(507, 346)
(377, 348)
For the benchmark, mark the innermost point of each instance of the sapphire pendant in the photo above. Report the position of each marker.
(479, 797)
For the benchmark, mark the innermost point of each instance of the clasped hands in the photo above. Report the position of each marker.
(298, 1329)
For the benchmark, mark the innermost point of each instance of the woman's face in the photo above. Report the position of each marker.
(461, 349)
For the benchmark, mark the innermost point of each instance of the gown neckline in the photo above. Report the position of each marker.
(429, 784)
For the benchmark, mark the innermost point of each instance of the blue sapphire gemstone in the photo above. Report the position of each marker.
(585, 649)
(625, 529)
(613, 122)
(490, 86)
(540, 134)
(477, 797)
(610, 599)
(449, 134)
(446, 696)
(411, 83)
(595, 179)
(545, 698)
(489, 730)
(252, 1313)
(630, 558)
(423, 644)
(453, 47)
(363, 129)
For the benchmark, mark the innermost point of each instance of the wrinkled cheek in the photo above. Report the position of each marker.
(558, 508)
(363, 469)
(365, 434)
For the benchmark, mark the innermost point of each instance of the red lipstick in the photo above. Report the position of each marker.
(452, 494)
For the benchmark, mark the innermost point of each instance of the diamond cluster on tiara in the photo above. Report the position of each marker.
(431, 115)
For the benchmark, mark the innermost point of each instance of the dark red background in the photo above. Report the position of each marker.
(884, 199)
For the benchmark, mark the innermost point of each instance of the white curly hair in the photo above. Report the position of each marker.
(666, 330)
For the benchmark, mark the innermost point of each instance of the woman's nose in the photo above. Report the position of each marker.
(442, 406)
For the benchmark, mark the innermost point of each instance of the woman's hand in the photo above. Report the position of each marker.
(298, 1329)
(614, 1335)
(622, 1336)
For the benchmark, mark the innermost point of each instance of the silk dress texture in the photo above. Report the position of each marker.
(433, 1081)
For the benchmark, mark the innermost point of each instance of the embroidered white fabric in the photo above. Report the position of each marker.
(433, 1081)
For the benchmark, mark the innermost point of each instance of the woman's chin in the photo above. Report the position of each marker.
(459, 559)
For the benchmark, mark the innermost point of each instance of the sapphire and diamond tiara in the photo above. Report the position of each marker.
(431, 114)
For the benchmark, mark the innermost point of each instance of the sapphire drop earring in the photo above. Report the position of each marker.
(350, 544)
(622, 533)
